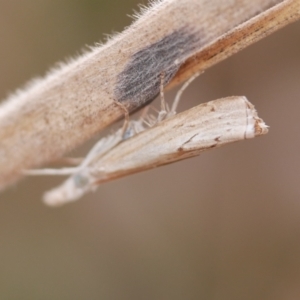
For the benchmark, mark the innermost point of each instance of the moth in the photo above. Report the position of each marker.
(152, 141)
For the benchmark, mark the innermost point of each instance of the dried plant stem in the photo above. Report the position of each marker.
(55, 114)
(240, 37)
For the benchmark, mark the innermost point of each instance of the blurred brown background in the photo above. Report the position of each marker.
(225, 225)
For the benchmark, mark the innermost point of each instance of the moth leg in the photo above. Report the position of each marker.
(163, 107)
(126, 117)
(176, 101)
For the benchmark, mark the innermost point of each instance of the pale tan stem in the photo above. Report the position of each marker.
(57, 113)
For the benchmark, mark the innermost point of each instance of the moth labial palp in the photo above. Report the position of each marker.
(84, 177)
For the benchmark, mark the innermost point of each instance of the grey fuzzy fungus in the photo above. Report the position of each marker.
(139, 82)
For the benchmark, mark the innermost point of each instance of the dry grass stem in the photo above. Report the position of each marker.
(55, 114)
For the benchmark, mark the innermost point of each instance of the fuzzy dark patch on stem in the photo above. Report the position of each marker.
(139, 82)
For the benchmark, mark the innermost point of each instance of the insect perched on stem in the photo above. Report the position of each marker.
(153, 141)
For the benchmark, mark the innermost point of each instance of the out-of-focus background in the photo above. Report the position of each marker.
(225, 225)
